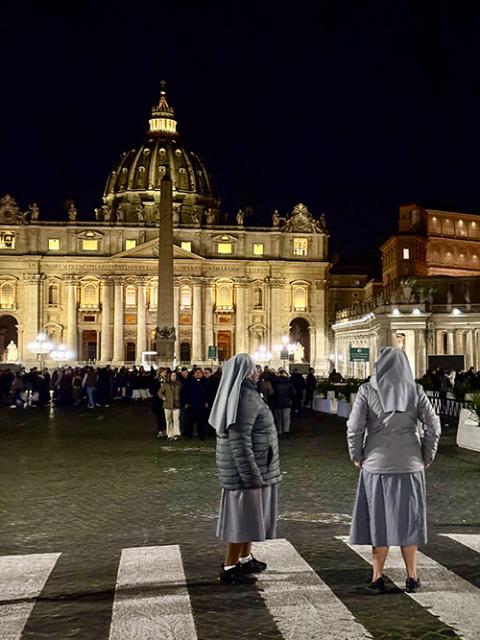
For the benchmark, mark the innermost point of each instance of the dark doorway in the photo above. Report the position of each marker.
(8, 333)
(224, 345)
(89, 345)
(299, 333)
(185, 352)
(130, 352)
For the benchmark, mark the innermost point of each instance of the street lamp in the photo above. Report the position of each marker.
(40, 347)
(262, 355)
(61, 354)
(286, 349)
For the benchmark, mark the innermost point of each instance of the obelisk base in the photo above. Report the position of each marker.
(165, 352)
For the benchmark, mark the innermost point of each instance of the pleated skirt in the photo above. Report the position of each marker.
(390, 509)
(248, 515)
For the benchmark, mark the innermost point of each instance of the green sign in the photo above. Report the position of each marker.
(359, 354)
(212, 352)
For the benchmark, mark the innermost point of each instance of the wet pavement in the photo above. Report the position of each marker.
(90, 484)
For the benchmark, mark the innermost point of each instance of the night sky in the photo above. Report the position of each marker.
(351, 108)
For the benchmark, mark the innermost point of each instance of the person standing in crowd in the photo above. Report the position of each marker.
(197, 405)
(248, 464)
(170, 394)
(265, 386)
(390, 505)
(184, 401)
(157, 403)
(211, 386)
(283, 394)
(89, 384)
(310, 386)
(299, 385)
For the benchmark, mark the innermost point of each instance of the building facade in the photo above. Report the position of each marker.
(429, 303)
(93, 285)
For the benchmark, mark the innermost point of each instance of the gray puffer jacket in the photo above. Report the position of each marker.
(247, 455)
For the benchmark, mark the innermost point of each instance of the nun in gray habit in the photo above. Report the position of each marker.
(248, 467)
(384, 443)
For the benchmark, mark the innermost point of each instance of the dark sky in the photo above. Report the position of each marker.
(351, 108)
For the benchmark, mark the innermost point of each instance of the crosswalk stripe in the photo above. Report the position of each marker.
(22, 579)
(470, 540)
(453, 600)
(302, 605)
(151, 597)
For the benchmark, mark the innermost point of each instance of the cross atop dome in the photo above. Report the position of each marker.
(163, 120)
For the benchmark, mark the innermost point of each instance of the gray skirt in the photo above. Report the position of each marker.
(390, 509)
(248, 515)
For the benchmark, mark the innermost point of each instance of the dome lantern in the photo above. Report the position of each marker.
(163, 120)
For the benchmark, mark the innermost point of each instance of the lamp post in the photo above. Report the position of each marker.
(262, 355)
(286, 349)
(40, 347)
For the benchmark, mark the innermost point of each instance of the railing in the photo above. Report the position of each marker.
(446, 407)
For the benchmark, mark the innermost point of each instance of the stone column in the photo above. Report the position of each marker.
(421, 353)
(276, 321)
(165, 339)
(450, 347)
(141, 318)
(469, 350)
(31, 313)
(197, 324)
(106, 337)
(241, 338)
(322, 363)
(439, 342)
(175, 321)
(459, 342)
(72, 332)
(207, 317)
(118, 351)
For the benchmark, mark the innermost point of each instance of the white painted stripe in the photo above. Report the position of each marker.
(453, 600)
(21, 578)
(302, 605)
(470, 540)
(151, 597)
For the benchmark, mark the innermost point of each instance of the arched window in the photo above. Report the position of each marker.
(300, 298)
(53, 295)
(7, 295)
(257, 298)
(224, 296)
(130, 296)
(185, 297)
(89, 296)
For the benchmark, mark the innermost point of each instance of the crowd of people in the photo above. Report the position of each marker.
(449, 380)
(181, 399)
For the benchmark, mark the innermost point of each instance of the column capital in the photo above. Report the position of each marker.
(31, 278)
(118, 280)
(71, 279)
(105, 280)
(142, 281)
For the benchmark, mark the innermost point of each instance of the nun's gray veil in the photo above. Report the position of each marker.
(393, 380)
(225, 406)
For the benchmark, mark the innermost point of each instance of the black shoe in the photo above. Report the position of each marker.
(235, 576)
(253, 566)
(412, 585)
(377, 587)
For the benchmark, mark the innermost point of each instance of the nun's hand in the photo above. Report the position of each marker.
(357, 464)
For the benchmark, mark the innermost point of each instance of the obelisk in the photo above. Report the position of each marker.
(165, 335)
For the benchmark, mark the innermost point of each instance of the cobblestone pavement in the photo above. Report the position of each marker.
(88, 485)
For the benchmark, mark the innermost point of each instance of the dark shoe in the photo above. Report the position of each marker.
(377, 587)
(412, 585)
(253, 566)
(235, 576)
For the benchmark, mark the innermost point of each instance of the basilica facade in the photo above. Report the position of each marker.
(92, 285)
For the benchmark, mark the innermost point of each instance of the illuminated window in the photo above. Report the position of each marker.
(185, 297)
(406, 254)
(224, 247)
(224, 296)
(7, 240)
(53, 295)
(7, 295)
(258, 249)
(89, 295)
(90, 245)
(130, 296)
(130, 244)
(300, 298)
(300, 246)
(187, 246)
(53, 244)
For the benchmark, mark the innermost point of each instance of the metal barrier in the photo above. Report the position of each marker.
(446, 407)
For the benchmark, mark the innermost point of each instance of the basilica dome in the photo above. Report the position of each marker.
(132, 191)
